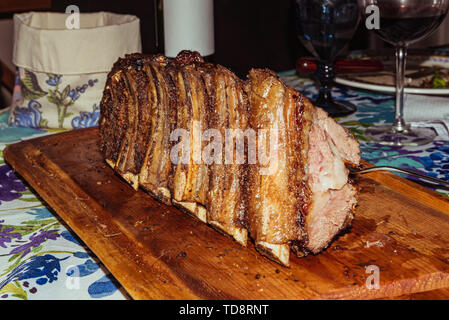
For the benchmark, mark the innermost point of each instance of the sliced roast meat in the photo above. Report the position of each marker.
(275, 182)
(250, 158)
(332, 197)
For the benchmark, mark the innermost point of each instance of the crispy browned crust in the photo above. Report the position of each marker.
(146, 97)
(225, 197)
(274, 206)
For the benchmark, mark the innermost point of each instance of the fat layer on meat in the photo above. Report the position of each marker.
(228, 110)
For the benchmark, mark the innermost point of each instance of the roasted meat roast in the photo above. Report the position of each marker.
(253, 159)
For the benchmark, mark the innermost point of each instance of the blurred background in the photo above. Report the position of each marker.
(251, 33)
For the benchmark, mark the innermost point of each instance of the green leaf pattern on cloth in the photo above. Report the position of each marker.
(31, 89)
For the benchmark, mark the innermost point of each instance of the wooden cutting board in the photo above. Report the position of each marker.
(158, 252)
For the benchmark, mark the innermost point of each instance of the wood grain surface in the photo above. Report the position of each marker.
(158, 252)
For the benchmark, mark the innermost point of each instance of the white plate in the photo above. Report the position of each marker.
(413, 61)
(390, 89)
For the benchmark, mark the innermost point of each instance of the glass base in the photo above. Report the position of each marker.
(387, 135)
(335, 108)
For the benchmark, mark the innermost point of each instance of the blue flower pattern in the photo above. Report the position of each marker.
(73, 94)
(53, 80)
(45, 268)
(87, 119)
(29, 116)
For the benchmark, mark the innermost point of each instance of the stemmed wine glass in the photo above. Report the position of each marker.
(403, 22)
(325, 27)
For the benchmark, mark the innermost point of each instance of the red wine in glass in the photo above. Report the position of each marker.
(403, 22)
(403, 25)
(325, 27)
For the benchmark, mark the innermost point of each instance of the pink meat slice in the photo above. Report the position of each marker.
(332, 198)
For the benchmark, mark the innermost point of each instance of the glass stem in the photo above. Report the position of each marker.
(399, 124)
(325, 74)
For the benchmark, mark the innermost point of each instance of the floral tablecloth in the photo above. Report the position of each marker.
(40, 258)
